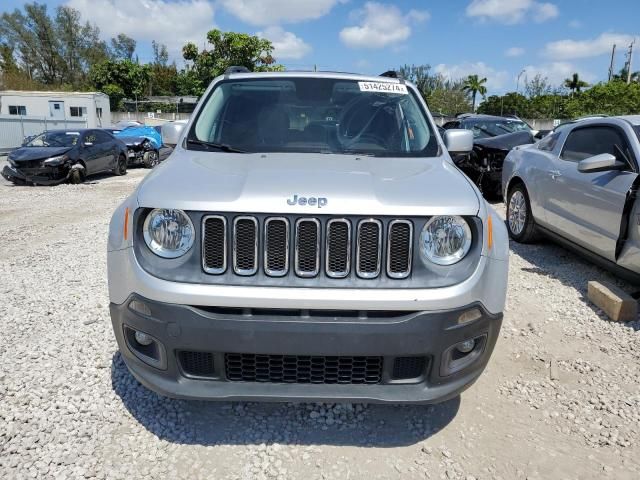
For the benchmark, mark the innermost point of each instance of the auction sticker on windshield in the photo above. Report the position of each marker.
(383, 87)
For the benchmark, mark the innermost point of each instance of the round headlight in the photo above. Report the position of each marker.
(168, 233)
(445, 240)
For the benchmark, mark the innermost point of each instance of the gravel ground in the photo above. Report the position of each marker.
(560, 398)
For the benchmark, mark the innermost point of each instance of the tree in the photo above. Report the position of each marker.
(537, 86)
(164, 77)
(123, 47)
(123, 78)
(441, 94)
(575, 84)
(474, 85)
(227, 49)
(54, 51)
(32, 36)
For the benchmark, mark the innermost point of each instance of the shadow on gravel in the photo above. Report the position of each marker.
(554, 261)
(239, 423)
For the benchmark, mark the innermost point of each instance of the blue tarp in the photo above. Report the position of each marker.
(147, 132)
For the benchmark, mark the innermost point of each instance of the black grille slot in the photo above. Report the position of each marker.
(197, 364)
(214, 244)
(276, 247)
(369, 248)
(307, 247)
(338, 248)
(245, 245)
(406, 368)
(399, 248)
(247, 367)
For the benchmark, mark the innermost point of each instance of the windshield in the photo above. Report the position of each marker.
(493, 128)
(54, 139)
(637, 129)
(313, 115)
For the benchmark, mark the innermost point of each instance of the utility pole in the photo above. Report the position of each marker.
(518, 82)
(613, 52)
(629, 62)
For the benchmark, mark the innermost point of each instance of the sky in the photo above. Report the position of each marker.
(497, 39)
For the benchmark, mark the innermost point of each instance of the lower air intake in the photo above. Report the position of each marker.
(245, 367)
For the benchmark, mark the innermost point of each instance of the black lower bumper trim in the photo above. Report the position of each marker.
(423, 335)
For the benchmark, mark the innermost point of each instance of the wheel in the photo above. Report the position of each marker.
(150, 159)
(121, 166)
(520, 221)
(77, 176)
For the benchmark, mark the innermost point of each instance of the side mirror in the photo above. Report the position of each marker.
(600, 163)
(458, 141)
(171, 132)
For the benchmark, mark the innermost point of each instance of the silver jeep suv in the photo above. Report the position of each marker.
(308, 239)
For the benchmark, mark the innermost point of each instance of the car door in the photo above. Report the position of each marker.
(91, 152)
(586, 208)
(108, 150)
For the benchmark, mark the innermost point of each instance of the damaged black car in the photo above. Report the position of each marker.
(59, 156)
(493, 139)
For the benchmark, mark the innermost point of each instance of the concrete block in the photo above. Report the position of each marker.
(615, 302)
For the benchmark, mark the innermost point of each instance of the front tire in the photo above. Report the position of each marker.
(150, 159)
(520, 222)
(77, 176)
(121, 166)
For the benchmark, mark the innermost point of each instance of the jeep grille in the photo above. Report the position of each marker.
(307, 246)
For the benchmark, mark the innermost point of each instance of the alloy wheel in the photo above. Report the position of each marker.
(517, 215)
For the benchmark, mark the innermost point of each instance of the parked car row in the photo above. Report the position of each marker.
(59, 156)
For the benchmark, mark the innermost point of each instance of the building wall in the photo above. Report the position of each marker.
(37, 106)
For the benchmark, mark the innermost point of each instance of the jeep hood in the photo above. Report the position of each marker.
(352, 185)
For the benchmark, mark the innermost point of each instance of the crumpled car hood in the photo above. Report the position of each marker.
(37, 153)
(267, 183)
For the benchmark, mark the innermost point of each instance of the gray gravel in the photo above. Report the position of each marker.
(560, 398)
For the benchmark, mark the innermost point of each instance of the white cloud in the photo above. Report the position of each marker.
(512, 11)
(273, 12)
(555, 72)
(514, 52)
(286, 45)
(380, 25)
(496, 79)
(171, 23)
(572, 49)
(575, 24)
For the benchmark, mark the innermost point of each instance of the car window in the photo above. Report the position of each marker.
(321, 115)
(90, 137)
(589, 141)
(548, 143)
(102, 137)
(493, 128)
(450, 125)
(54, 139)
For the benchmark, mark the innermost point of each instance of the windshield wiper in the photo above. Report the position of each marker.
(218, 146)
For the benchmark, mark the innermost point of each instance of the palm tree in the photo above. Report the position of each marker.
(475, 85)
(575, 84)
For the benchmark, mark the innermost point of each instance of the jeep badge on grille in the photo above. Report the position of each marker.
(311, 201)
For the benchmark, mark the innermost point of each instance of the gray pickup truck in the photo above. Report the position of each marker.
(308, 239)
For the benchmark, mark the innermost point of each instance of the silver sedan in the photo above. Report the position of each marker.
(579, 186)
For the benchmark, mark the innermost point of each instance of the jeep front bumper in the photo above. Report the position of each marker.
(286, 355)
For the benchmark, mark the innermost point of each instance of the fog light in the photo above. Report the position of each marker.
(143, 339)
(462, 347)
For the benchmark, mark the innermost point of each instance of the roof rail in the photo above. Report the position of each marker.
(236, 69)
